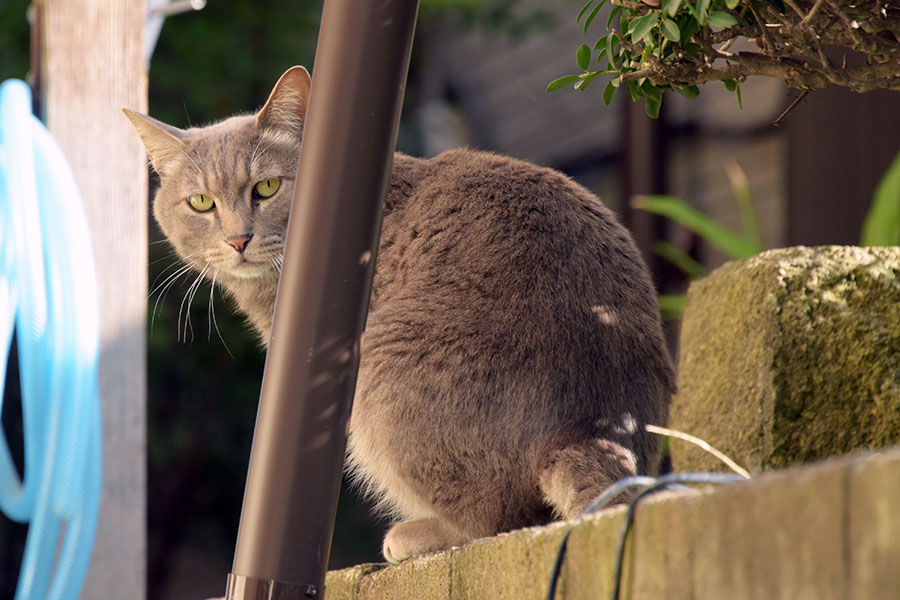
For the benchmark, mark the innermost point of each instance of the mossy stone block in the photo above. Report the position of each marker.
(791, 356)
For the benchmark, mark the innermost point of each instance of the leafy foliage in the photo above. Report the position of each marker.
(882, 224)
(661, 45)
(880, 228)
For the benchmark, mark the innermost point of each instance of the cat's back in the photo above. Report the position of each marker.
(504, 265)
(536, 232)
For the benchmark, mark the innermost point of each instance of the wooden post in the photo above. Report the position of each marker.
(92, 66)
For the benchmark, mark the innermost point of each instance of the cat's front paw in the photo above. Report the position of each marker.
(420, 536)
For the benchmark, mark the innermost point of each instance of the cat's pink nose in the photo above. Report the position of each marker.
(239, 242)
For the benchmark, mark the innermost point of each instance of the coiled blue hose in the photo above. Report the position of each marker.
(48, 294)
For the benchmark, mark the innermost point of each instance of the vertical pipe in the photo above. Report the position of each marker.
(295, 468)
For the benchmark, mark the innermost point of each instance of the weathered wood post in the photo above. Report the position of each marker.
(91, 65)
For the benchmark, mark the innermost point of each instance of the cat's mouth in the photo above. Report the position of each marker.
(249, 269)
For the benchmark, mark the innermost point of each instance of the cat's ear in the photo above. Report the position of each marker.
(286, 106)
(163, 142)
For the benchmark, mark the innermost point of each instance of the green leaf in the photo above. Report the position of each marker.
(590, 18)
(737, 90)
(732, 4)
(730, 84)
(652, 106)
(562, 82)
(689, 91)
(881, 226)
(583, 9)
(610, 91)
(688, 27)
(601, 43)
(720, 18)
(671, 7)
(651, 90)
(729, 242)
(634, 90)
(586, 81)
(671, 306)
(681, 259)
(670, 30)
(611, 42)
(640, 27)
(702, 8)
(612, 15)
(583, 56)
(740, 188)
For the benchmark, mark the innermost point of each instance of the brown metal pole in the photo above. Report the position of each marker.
(304, 409)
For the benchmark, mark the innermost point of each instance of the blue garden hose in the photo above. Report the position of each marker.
(48, 295)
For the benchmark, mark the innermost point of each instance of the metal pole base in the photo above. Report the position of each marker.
(241, 587)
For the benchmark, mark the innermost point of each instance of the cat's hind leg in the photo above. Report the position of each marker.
(577, 474)
(420, 536)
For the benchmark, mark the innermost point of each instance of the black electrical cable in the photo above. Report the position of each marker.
(651, 485)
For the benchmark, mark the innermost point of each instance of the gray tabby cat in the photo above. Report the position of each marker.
(513, 350)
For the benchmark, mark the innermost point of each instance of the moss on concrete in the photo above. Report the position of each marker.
(791, 356)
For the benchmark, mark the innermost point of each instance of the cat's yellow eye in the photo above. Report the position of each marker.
(267, 187)
(201, 202)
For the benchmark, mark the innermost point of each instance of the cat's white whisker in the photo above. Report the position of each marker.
(154, 287)
(212, 311)
(188, 298)
(164, 287)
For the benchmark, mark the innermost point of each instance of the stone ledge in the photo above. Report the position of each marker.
(824, 531)
(791, 356)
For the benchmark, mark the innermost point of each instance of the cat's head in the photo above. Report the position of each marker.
(225, 190)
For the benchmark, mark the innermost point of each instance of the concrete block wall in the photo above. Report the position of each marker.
(829, 531)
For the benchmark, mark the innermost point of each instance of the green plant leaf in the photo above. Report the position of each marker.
(702, 8)
(671, 306)
(583, 10)
(740, 189)
(601, 43)
(729, 242)
(732, 4)
(611, 56)
(652, 106)
(586, 81)
(730, 84)
(590, 17)
(610, 91)
(562, 82)
(720, 18)
(737, 91)
(640, 27)
(612, 15)
(689, 91)
(671, 7)
(583, 56)
(670, 30)
(681, 259)
(881, 226)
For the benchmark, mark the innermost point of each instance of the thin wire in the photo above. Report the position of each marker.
(662, 483)
(651, 485)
